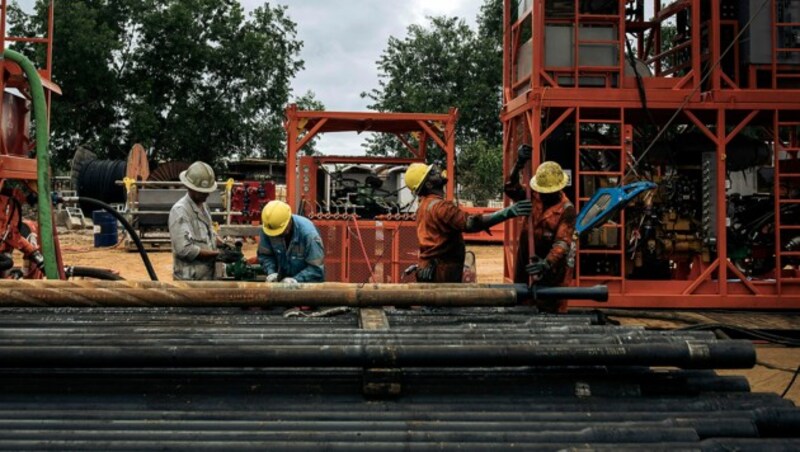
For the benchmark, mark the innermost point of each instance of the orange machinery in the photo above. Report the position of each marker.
(18, 165)
(367, 226)
(700, 97)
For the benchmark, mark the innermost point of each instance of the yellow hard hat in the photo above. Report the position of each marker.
(416, 174)
(275, 218)
(549, 178)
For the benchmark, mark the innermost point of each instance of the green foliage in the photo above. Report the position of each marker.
(309, 102)
(189, 79)
(480, 169)
(443, 64)
(435, 68)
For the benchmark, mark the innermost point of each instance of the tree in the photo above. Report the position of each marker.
(442, 64)
(480, 167)
(429, 71)
(309, 102)
(83, 57)
(189, 79)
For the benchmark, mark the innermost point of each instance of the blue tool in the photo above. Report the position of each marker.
(606, 202)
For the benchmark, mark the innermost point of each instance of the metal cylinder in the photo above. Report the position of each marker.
(219, 293)
(701, 355)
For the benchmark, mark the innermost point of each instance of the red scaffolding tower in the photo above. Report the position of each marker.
(705, 72)
(361, 249)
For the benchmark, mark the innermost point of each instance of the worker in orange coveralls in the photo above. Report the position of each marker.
(441, 224)
(553, 220)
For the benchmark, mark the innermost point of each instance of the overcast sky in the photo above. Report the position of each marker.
(343, 40)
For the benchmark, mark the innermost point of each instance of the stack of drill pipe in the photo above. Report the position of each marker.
(279, 419)
(471, 379)
(534, 343)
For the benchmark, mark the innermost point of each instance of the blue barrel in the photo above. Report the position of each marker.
(105, 229)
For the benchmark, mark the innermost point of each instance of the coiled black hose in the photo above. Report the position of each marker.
(128, 228)
(97, 180)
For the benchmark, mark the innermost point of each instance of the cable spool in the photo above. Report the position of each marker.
(95, 178)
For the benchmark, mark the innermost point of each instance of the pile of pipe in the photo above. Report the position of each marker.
(345, 378)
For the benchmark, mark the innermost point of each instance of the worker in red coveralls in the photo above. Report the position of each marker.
(553, 221)
(441, 224)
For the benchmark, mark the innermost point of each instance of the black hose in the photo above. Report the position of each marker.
(91, 272)
(128, 228)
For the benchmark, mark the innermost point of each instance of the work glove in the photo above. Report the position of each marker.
(289, 281)
(229, 256)
(37, 259)
(272, 277)
(425, 274)
(520, 209)
(538, 269)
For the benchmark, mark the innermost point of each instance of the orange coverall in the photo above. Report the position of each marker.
(440, 227)
(553, 230)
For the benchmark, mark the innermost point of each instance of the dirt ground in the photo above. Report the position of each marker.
(77, 250)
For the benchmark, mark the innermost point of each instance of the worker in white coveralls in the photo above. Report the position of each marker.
(195, 245)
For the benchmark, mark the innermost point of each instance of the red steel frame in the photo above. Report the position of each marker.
(718, 106)
(346, 258)
(14, 163)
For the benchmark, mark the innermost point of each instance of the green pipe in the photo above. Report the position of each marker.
(46, 231)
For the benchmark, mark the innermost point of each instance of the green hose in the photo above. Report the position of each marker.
(46, 231)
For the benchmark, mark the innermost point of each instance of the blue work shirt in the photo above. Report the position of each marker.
(301, 260)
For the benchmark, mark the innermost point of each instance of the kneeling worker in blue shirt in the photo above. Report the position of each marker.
(290, 249)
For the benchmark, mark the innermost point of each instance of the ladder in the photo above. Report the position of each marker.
(784, 24)
(786, 176)
(618, 151)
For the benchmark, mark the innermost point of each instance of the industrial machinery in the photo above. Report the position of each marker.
(697, 97)
(248, 198)
(24, 158)
(360, 205)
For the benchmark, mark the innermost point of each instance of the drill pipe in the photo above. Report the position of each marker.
(430, 430)
(734, 354)
(222, 293)
(335, 418)
(123, 443)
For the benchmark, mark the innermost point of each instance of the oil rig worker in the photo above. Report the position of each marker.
(194, 242)
(441, 224)
(289, 249)
(553, 221)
